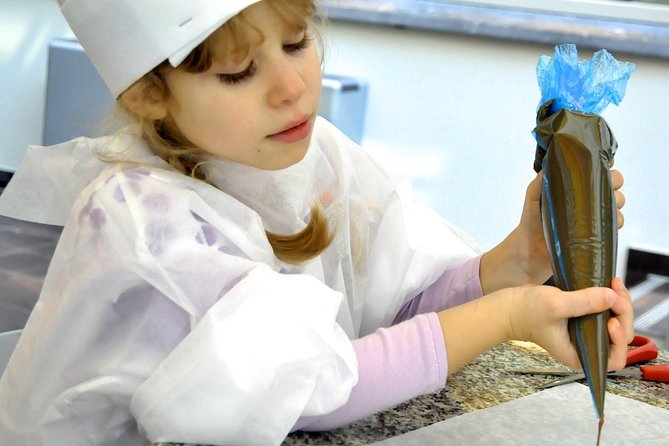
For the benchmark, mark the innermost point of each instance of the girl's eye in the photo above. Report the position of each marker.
(298, 46)
(236, 78)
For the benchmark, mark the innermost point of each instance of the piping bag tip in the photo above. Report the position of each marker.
(591, 340)
(599, 430)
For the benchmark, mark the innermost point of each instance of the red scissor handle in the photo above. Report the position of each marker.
(659, 372)
(643, 349)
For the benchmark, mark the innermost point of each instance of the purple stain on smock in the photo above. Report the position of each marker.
(156, 203)
(135, 187)
(207, 236)
(134, 177)
(157, 235)
(98, 218)
(197, 217)
(89, 207)
(136, 174)
(118, 194)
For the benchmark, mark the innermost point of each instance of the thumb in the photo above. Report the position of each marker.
(533, 192)
(589, 301)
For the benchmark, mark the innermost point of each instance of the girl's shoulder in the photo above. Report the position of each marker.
(49, 179)
(120, 166)
(147, 187)
(144, 192)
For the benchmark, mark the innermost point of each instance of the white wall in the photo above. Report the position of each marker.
(454, 112)
(25, 28)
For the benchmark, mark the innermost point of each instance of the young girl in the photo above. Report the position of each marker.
(232, 267)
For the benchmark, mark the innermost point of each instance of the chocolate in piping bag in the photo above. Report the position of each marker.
(579, 215)
(575, 149)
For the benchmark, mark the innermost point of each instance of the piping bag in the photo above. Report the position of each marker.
(575, 149)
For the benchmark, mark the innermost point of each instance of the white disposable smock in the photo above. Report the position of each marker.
(165, 315)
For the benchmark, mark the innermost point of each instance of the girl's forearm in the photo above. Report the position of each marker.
(476, 327)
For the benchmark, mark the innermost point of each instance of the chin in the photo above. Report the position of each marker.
(291, 156)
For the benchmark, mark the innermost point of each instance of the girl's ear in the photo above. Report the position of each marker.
(148, 101)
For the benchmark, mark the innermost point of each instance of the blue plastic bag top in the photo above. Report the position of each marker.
(586, 86)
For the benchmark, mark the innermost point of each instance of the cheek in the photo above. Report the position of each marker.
(230, 126)
(315, 75)
(206, 114)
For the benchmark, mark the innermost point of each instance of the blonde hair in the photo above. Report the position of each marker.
(234, 39)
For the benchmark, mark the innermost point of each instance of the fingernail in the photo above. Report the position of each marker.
(619, 283)
(611, 297)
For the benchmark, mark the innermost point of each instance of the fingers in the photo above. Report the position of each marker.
(620, 202)
(618, 347)
(620, 199)
(617, 182)
(623, 308)
(533, 192)
(617, 179)
(621, 326)
(589, 301)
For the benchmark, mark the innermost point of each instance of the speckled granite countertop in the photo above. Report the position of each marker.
(483, 383)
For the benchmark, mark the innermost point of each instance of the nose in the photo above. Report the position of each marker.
(287, 84)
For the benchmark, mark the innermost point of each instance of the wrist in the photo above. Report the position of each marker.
(513, 304)
(503, 266)
(514, 262)
(477, 326)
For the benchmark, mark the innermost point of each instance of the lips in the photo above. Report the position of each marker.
(294, 131)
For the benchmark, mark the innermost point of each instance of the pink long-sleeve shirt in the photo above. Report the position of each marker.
(407, 359)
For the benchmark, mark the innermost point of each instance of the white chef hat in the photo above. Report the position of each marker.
(126, 39)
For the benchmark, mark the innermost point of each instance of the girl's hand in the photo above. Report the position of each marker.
(539, 314)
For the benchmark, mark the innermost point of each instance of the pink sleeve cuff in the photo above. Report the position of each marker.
(454, 287)
(407, 359)
(394, 364)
